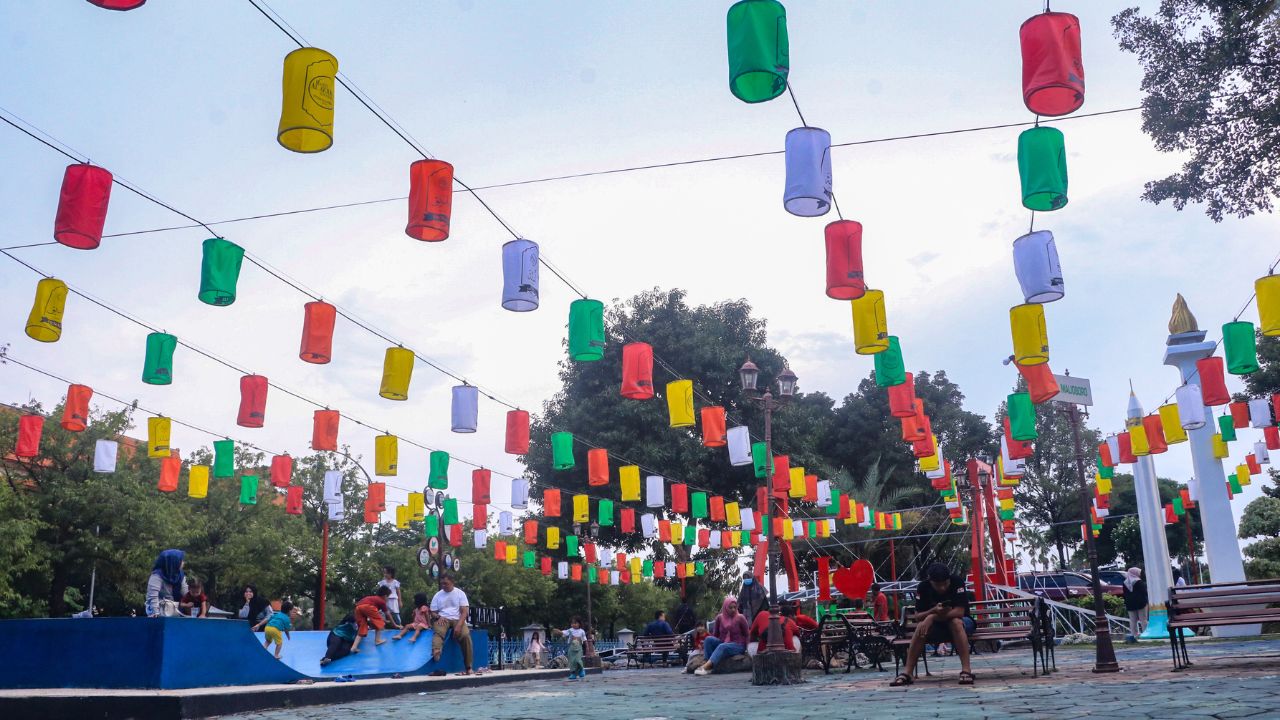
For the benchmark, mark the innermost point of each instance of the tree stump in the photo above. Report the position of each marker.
(777, 668)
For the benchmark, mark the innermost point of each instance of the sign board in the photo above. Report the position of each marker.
(1073, 390)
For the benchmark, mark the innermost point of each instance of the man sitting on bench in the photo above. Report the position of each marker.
(656, 627)
(942, 611)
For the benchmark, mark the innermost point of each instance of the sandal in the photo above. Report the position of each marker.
(966, 678)
(902, 679)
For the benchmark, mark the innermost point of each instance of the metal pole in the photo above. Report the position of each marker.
(1105, 659)
(324, 568)
(774, 639)
(93, 577)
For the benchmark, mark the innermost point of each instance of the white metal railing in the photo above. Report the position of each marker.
(1068, 619)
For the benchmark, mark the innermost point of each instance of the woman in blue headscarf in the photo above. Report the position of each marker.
(167, 584)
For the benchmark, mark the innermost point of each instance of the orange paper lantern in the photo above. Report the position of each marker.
(317, 332)
(324, 430)
(713, 427)
(430, 200)
(75, 413)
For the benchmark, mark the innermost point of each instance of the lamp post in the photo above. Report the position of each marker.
(771, 667)
(589, 656)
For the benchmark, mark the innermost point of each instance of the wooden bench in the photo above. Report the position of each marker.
(1013, 619)
(653, 645)
(1228, 603)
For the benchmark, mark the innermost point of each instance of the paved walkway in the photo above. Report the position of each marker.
(1229, 680)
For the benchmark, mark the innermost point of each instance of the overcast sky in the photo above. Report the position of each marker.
(182, 99)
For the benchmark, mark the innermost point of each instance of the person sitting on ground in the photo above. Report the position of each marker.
(942, 614)
(450, 607)
(371, 610)
(421, 618)
(728, 636)
(194, 603)
(759, 634)
(279, 622)
(338, 643)
(533, 652)
(656, 627)
(166, 584)
(698, 637)
(879, 603)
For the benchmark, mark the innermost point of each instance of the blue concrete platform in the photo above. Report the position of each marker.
(178, 653)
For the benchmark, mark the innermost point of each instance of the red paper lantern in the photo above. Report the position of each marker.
(317, 332)
(1239, 414)
(1271, 434)
(1126, 448)
(824, 579)
(82, 206)
(479, 516)
(902, 398)
(597, 467)
(430, 200)
(781, 474)
(704, 538)
(628, 521)
(30, 427)
(324, 430)
(1155, 434)
(844, 260)
(1187, 502)
(1052, 70)
(1213, 381)
(253, 401)
(679, 498)
(170, 470)
(1041, 384)
(1252, 461)
(546, 565)
(575, 572)
(376, 500)
(480, 480)
(664, 531)
(370, 515)
(1170, 517)
(1275, 406)
(517, 432)
(924, 447)
(659, 570)
(1104, 455)
(500, 551)
(717, 508)
(637, 371)
(551, 502)
(913, 428)
(281, 470)
(713, 427)
(589, 552)
(455, 535)
(75, 413)
(118, 4)
(810, 488)
(1018, 449)
(530, 532)
(293, 500)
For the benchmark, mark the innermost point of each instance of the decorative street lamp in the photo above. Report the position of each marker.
(773, 666)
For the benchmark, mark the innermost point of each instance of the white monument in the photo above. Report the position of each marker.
(1157, 571)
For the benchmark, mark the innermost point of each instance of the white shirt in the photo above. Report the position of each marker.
(449, 604)
(393, 600)
(576, 634)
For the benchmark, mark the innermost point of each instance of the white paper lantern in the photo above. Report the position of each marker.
(333, 487)
(739, 440)
(748, 519)
(1190, 411)
(808, 159)
(1035, 262)
(520, 275)
(654, 493)
(824, 493)
(1260, 413)
(649, 526)
(481, 538)
(1261, 454)
(104, 456)
(519, 493)
(465, 408)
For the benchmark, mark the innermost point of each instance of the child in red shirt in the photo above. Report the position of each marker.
(371, 610)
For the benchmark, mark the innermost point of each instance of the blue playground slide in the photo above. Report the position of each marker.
(174, 653)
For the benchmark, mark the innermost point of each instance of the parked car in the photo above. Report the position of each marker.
(1054, 586)
(1084, 582)
(1112, 581)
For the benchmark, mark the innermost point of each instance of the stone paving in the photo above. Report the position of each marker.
(1230, 679)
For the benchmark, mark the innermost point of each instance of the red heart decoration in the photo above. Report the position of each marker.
(855, 581)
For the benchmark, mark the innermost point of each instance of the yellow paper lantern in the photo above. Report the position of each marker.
(680, 403)
(397, 370)
(788, 530)
(870, 325)
(677, 533)
(1242, 473)
(581, 509)
(553, 537)
(1104, 484)
(1030, 336)
(1006, 504)
(1220, 449)
(417, 506)
(931, 462)
(1268, 291)
(1171, 423)
(732, 514)
(158, 433)
(1138, 440)
(198, 481)
(386, 454)
(44, 323)
(635, 563)
(629, 482)
(797, 483)
(306, 110)
(511, 554)
(402, 516)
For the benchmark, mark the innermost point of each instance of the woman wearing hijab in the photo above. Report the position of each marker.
(728, 636)
(167, 584)
(256, 609)
(1135, 602)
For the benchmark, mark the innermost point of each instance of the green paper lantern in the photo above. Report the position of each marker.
(813, 529)
(219, 271)
(1178, 508)
(1022, 416)
(605, 513)
(890, 369)
(1234, 483)
(699, 508)
(1240, 346)
(690, 535)
(571, 545)
(1227, 428)
(438, 475)
(157, 367)
(834, 507)
(744, 538)
(248, 489)
(1006, 514)
(1104, 472)
(1042, 166)
(764, 525)
(1098, 527)
(431, 526)
(224, 458)
(586, 330)
(593, 575)
(760, 459)
(450, 511)
(949, 493)
(530, 558)
(699, 568)
(646, 568)
(758, 50)
(562, 450)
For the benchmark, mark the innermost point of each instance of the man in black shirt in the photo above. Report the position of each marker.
(942, 614)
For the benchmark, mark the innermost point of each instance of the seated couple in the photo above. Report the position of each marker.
(942, 615)
(731, 636)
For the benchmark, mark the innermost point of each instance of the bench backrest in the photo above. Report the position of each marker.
(1224, 599)
(657, 642)
(1004, 615)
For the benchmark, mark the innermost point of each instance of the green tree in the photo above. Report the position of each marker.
(1212, 78)
(1261, 520)
(1120, 537)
